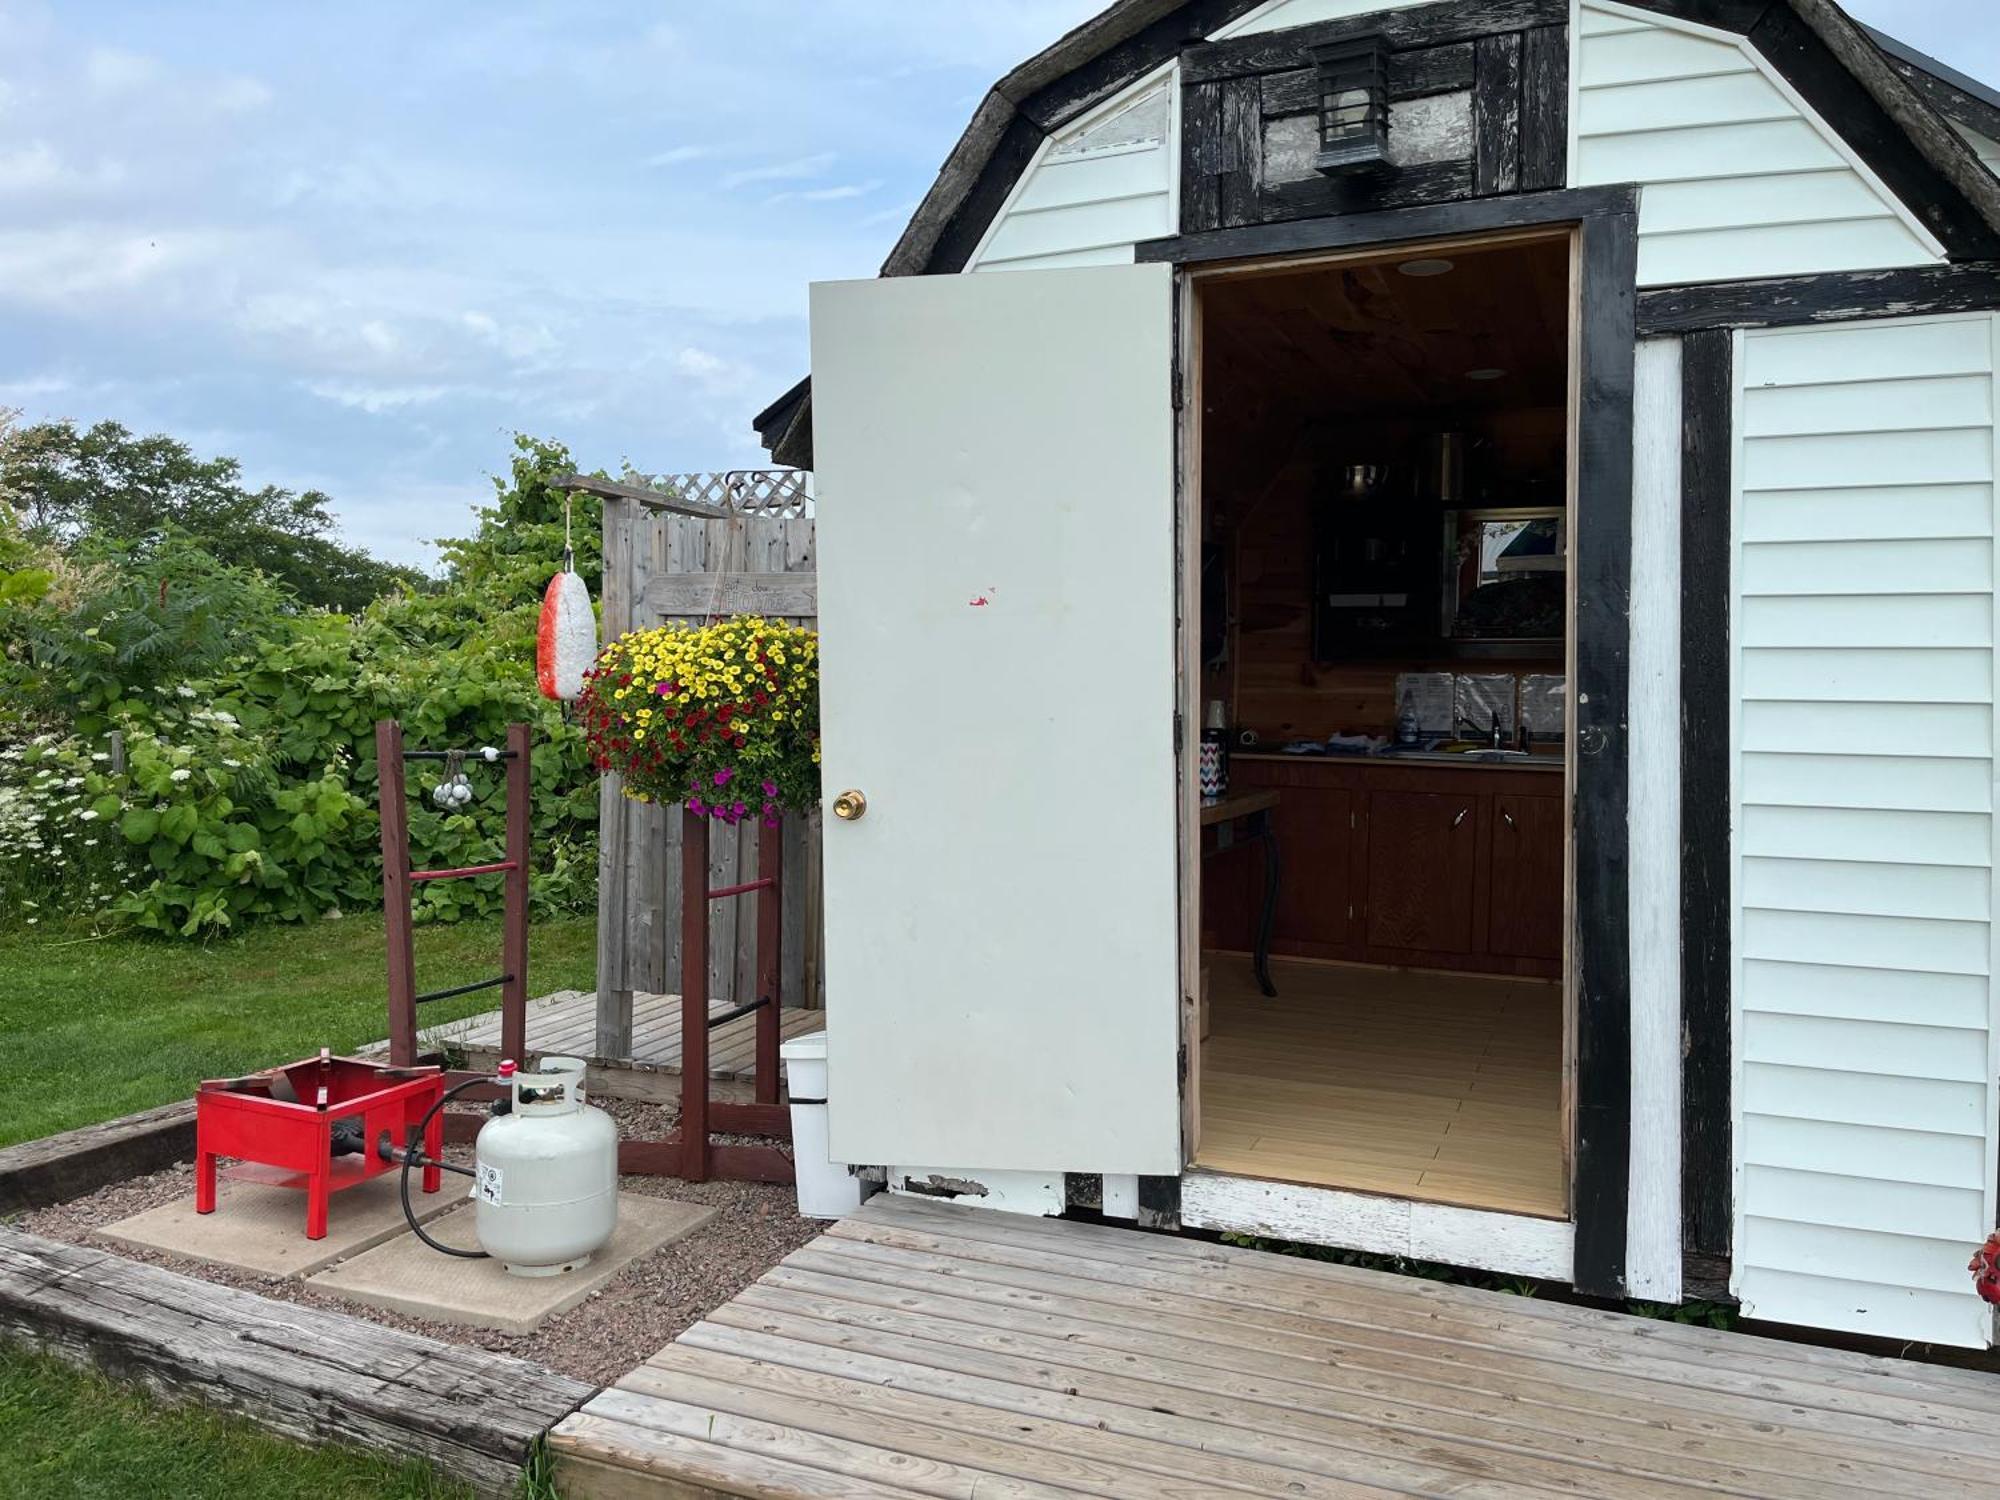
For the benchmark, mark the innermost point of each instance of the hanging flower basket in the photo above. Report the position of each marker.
(723, 718)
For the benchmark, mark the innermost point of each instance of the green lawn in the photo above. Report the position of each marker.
(67, 1435)
(92, 1028)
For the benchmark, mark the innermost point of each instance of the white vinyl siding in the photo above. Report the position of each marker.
(1863, 756)
(1282, 15)
(1740, 178)
(1986, 149)
(1095, 189)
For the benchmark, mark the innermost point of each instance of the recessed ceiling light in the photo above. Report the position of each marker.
(1432, 267)
(1485, 374)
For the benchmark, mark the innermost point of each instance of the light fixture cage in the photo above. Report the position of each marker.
(1353, 103)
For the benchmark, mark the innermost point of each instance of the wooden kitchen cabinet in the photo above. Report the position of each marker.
(1422, 865)
(1417, 864)
(1525, 876)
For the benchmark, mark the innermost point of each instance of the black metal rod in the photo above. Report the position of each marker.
(739, 1013)
(463, 989)
(471, 757)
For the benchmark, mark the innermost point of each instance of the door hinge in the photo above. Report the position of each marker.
(1180, 724)
(1178, 387)
(1180, 1065)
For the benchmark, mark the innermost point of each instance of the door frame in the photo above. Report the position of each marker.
(1602, 226)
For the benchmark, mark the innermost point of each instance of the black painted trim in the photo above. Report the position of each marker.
(1829, 297)
(1082, 89)
(1544, 108)
(1393, 225)
(1496, 114)
(1159, 1202)
(1602, 562)
(1003, 169)
(1707, 414)
(1601, 559)
(1434, 25)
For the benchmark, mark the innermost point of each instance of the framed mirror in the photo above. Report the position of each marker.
(1506, 574)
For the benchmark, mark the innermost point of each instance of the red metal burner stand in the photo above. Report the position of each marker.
(278, 1124)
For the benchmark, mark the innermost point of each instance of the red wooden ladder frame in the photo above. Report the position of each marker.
(688, 1153)
(399, 883)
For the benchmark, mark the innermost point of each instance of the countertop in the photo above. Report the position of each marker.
(1485, 760)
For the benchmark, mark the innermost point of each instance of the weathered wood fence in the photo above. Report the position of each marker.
(684, 549)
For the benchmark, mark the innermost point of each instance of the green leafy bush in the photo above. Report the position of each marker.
(249, 784)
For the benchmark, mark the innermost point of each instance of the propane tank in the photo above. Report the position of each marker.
(546, 1179)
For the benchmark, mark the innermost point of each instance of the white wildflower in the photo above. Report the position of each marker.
(234, 765)
(100, 755)
(179, 773)
(184, 691)
(90, 844)
(88, 815)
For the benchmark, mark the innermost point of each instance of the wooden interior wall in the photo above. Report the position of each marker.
(1271, 681)
(639, 855)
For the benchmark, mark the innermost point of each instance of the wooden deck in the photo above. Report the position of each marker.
(566, 1024)
(1445, 1087)
(927, 1349)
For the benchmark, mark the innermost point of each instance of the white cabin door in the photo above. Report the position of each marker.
(994, 460)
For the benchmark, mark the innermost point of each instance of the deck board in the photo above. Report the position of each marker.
(566, 1023)
(927, 1348)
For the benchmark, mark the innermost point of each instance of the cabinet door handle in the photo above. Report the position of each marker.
(1461, 816)
(1507, 817)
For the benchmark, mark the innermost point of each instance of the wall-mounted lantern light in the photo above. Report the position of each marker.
(1353, 103)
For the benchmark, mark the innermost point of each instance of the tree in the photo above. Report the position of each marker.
(88, 490)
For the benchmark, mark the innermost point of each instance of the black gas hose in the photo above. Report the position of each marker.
(413, 1154)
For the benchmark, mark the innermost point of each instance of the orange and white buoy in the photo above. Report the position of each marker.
(566, 642)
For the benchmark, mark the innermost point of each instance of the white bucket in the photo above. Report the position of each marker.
(827, 1190)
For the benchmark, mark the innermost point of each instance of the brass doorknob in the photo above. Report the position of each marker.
(849, 805)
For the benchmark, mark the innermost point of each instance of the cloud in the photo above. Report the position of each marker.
(799, 167)
(241, 95)
(110, 70)
(364, 279)
(378, 398)
(678, 155)
(837, 194)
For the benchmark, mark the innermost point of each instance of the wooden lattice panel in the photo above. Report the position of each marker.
(779, 492)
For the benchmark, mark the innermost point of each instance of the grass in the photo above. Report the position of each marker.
(67, 1433)
(93, 1028)
(98, 1027)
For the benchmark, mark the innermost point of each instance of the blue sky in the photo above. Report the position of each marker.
(357, 244)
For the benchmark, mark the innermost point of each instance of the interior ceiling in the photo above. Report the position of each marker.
(1367, 339)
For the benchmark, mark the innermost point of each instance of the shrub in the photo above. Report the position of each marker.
(250, 786)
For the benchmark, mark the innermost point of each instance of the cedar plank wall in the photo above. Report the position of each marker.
(1272, 683)
(1478, 94)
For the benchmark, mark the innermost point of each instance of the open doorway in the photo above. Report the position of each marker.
(1385, 459)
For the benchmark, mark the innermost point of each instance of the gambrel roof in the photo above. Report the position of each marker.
(1893, 106)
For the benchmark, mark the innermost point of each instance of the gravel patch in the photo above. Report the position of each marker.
(617, 1328)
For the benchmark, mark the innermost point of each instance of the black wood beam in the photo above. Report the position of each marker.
(1496, 114)
(1828, 297)
(1544, 108)
(1395, 226)
(1600, 942)
(1435, 25)
(1707, 401)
